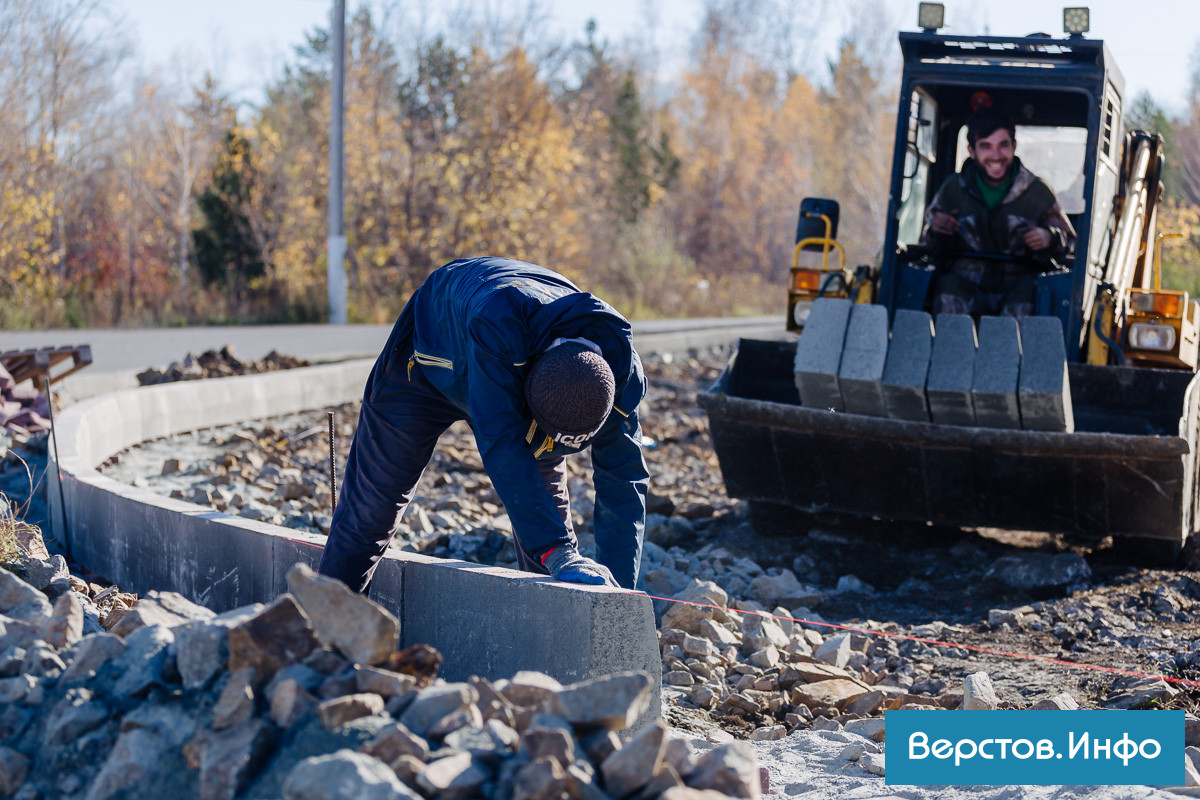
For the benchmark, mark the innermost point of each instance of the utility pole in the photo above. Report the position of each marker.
(337, 216)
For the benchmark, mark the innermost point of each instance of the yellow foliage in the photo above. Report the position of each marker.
(28, 259)
(746, 159)
(511, 173)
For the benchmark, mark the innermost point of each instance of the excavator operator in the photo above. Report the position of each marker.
(993, 206)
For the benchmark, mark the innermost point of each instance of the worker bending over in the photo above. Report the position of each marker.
(539, 370)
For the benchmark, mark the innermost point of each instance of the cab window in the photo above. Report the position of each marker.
(920, 157)
(1054, 153)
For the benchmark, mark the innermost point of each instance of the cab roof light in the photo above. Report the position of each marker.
(930, 16)
(1076, 20)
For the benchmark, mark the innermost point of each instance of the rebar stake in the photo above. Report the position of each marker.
(332, 466)
(62, 500)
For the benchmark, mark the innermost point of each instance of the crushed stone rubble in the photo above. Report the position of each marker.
(161, 697)
(221, 363)
(746, 652)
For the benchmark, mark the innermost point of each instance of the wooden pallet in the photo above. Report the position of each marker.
(39, 364)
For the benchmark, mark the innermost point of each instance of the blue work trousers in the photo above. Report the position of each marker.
(401, 419)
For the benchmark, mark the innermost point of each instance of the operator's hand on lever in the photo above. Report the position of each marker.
(944, 224)
(1037, 238)
(565, 564)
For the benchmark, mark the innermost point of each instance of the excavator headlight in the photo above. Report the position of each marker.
(800, 313)
(1076, 20)
(1148, 336)
(930, 16)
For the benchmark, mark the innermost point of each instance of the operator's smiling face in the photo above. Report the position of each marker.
(994, 154)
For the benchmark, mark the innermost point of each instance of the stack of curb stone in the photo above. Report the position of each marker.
(1002, 377)
(308, 699)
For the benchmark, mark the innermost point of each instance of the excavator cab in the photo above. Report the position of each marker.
(1065, 96)
(1052, 140)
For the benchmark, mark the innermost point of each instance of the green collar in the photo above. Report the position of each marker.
(992, 195)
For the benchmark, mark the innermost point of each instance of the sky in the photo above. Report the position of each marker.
(1151, 40)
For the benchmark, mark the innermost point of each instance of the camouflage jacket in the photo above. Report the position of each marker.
(1029, 202)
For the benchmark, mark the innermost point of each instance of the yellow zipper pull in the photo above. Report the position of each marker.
(411, 360)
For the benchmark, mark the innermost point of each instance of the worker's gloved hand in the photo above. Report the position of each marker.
(565, 564)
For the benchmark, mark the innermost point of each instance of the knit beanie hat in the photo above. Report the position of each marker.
(570, 392)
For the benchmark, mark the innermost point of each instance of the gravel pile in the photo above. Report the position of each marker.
(305, 699)
(217, 364)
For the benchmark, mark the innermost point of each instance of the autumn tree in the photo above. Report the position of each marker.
(742, 131)
(189, 136)
(1181, 179)
(56, 95)
(429, 113)
(852, 144)
(1180, 256)
(1186, 138)
(615, 129)
(127, 198)
(510, 169)
(626, 166)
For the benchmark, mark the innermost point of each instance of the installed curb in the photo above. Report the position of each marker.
(486, 621)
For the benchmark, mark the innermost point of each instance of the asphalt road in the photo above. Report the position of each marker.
(118, 355)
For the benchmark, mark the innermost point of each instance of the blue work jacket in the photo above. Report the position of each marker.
(476, 326)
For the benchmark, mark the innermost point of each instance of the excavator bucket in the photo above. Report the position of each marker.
(1125, 471)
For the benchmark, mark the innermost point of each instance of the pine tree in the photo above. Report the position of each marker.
(224, 245)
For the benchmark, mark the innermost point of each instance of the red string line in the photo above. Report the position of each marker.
(973, 648)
